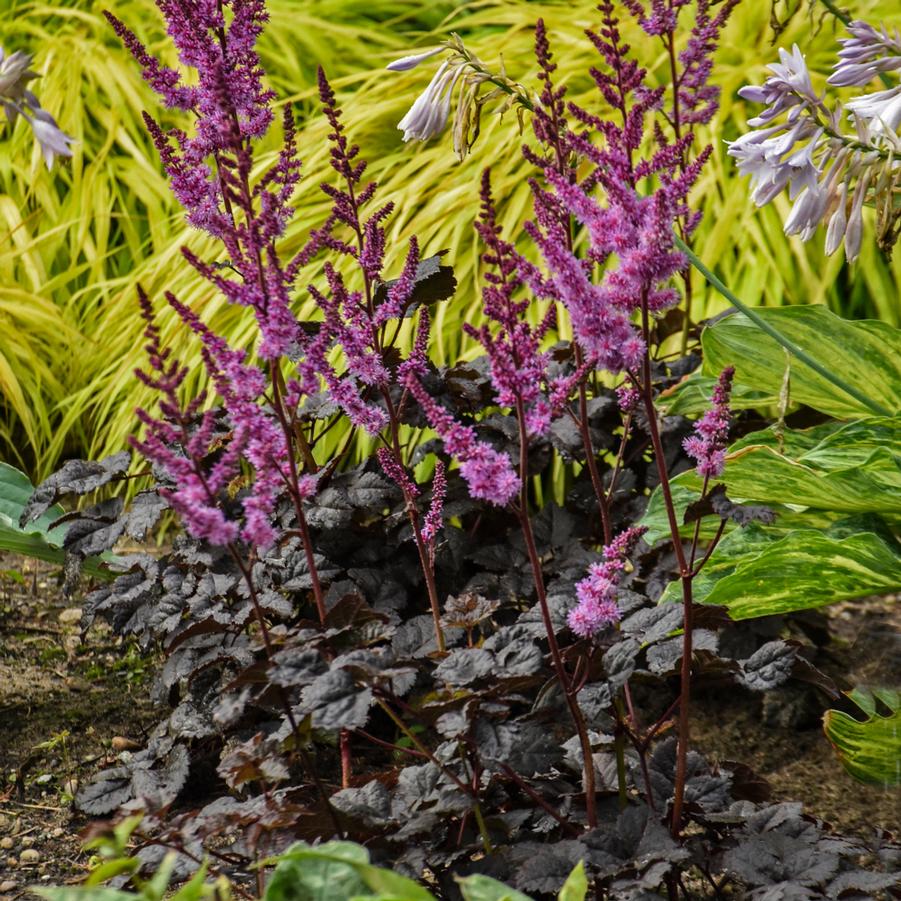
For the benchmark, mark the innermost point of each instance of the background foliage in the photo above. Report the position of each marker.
(75, 242)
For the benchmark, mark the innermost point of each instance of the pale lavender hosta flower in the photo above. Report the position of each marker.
(17, 100)
(463, 71)
(799, 143)
(881, 109)
(405, 63)
(867, 53)
(428, 115)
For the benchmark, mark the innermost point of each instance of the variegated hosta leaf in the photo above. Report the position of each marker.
(870, 750)
(691, 396)
(865, 354)
(756, 571)
(855, 468)
(686, 489)
(832, 469)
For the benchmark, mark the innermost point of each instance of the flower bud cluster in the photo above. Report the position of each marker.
(708, 444)
(597, 608)
(801, 143)
(463, 71)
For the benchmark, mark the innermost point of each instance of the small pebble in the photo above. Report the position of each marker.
(27, 841)
(70, 787)
(8, 886)
(44, 778)
(59, 831)
(12, 862)
(6, 843)
(70, 616)
(29, 855)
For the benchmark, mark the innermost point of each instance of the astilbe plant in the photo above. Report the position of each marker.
(315, 676)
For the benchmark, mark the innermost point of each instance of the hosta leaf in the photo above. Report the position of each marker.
(81, 893)
(855, 468)
(686, 490)
(37, 538)
(484, 888)
(758, 572)
(336, 871)
(865, 354)
(870, 750)
(832, 468)
(691, 397)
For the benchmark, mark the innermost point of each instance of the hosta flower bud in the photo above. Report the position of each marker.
(405, 63)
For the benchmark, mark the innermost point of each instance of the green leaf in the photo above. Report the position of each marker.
(576, 886)
(691, 397)
(852, 468)
(833, 469)
(37, 540)
(484, 888)
(866, 354)
(155, 888)
(325, 873)
(81, 893)
(111, 868)
(389, 884)
(195, 888)
(870, 750)
(686, 489)
(757, 571)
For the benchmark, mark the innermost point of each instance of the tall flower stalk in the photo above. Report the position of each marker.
(594, 177)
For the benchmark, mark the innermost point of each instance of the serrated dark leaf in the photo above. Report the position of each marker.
(95, 530)
(432, 283)
(651, 624)
(768, 667)
(716, 503)
(620, 660)
(143, 514)
(369, 491)
(369, 805)
(336, 702)
(772, 857)
(415, 638)
(544, 868)
(664, 656)
(329, 509)
(296, 667)
(464, 665)
(516, 653)
(74, 477)
(157, 774)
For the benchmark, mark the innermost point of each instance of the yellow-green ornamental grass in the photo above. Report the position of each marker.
(75, 242)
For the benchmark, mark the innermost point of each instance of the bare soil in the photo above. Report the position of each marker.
(62, 703)
(66, 700)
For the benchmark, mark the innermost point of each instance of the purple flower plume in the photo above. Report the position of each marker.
(488, 473)
(597, 608)
(210, 169)
(708, 444)
(434, 518)
(518, 366)
(630, 231)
